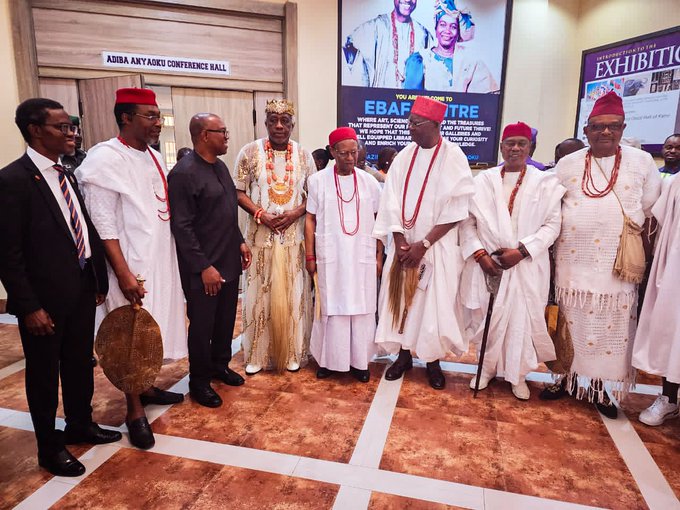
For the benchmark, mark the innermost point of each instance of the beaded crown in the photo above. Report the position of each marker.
(280, 106)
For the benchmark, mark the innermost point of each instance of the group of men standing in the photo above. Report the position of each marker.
(445, 233)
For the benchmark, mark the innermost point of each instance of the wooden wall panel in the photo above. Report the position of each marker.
(63, 91)
(235, 109)
(254, 56)
(98, 97)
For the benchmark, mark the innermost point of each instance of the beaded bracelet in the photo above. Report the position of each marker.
(310, 257)
(258, 214)
(479, 254)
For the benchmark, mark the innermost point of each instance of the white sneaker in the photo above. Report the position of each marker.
(659, 411)
(293, 366)
(253, 369)
(483, 381)
(521, 390)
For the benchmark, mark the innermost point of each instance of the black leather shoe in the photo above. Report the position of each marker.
(607, 408)
(92, 434)
(554, 391)
(141, 434)
(228, 376)
(205, 395)
(398, 368)
(61, 463)
(435, 376)
(161, 397)
(360, 375)
(323, 373)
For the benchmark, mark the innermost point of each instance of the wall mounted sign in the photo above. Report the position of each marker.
(167, 64)
(392, 51)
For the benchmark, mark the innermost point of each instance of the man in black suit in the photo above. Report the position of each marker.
(53, 268)
(211, 254)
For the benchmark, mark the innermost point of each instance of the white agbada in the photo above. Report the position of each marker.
(120, 185)
(374, 62)
(432, 326)
(467, 74)
(346, 270)
(599, 307)
(518, 337)
(657, 342)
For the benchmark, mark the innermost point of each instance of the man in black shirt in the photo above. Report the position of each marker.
(73, 160)
(211, 254)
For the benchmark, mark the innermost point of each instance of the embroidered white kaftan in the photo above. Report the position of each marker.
(120, 185)
(373, 65)
(346, 270)
(250, 176)
(432, 326)
(518, 337)
(599, 307)
(657, 342)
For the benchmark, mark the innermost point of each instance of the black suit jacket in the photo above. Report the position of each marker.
(38, 258)
(204, 219)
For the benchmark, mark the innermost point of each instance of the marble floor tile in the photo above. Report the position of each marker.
(444, 446)
(662, 442)
(20, 474)
(10, 345)
(381, 501)
(579, 467)
(316, 426)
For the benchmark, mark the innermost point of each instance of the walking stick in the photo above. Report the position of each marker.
(492, 285)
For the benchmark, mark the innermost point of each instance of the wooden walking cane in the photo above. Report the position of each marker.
(492, 285)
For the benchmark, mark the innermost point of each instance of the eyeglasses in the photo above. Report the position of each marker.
(223, 131)
(412, 124)
(599, 128)
(152, 118)
(344, 154)
(522, 144)
(65, 128)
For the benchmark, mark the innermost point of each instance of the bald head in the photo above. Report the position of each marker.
(209, 135)
(199, 123)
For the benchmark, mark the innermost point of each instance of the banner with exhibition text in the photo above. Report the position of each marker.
(645, 72)
(391, 51)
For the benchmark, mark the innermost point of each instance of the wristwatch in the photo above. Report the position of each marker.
(426, 243)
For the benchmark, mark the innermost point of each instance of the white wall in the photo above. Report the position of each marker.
(12, 143)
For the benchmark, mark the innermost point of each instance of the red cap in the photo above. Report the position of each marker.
(609, 104)
(136, 96)
(519, 129)
(340, 134)
(429, 108)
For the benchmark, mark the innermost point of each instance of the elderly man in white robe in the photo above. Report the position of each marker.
(341, 206)
(603, 181)
(126, 192)
(426, 195)
(657, 341)
(514, 218)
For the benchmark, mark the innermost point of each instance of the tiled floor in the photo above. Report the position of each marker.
(289, 441)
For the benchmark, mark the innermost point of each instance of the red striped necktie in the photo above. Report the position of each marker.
(75, 220)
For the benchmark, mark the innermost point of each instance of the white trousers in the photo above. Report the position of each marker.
(341, 341)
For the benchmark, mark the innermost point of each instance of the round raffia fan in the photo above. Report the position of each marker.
(130, 349)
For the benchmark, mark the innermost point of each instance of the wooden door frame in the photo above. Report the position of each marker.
(26, 60)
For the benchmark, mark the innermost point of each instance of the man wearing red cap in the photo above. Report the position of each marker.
(125, 187)
(508, 234)
(271, 183)
(341, 207)
(426, 194)
(599, 305)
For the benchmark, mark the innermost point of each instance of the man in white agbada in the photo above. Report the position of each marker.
(599, 306)
(271, 185)
(426, 194)
(125, 190)
(341, 205)
(514, 218)
(657, 341)
(369, 56)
